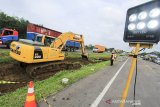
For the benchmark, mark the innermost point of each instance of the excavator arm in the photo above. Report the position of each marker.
(60, 42)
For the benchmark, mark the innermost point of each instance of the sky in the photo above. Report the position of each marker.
(100, 21)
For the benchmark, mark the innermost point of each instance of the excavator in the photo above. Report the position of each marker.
(38, 57)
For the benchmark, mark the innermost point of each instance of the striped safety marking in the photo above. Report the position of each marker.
(30, 98)
(30, 90)
(8, 82)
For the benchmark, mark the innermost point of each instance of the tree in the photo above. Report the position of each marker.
(13, 22)
(110, 49)
(90, 47)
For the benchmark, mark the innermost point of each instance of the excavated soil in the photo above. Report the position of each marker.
(13, 72)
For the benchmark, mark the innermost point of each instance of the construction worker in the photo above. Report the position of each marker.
(113, 57)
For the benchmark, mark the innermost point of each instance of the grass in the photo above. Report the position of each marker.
(4, 56)
(50, 86)
(91, 55)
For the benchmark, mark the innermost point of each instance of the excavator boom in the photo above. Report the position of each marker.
(62, 39)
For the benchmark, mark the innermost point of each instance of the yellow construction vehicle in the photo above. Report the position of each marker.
(29, 52)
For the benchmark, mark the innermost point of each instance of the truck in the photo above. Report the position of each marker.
(99, 49)
(71, 46)
(7, 36)
(33, 30)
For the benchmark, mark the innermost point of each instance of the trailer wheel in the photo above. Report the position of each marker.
(8, 45)
(73, 49)
(68, 49)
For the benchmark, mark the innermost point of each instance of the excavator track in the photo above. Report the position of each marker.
(37, 71)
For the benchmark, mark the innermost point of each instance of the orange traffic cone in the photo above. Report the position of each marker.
(30, 99)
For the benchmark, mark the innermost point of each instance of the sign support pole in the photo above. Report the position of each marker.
(130, 75)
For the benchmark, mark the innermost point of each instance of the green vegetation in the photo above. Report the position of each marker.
(158, 54)
(13, 22)
(89, 47)
(91, 55)
(98, 55)
(4, 56)
(49, 86)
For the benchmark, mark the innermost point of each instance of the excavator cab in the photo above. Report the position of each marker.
(46, 40)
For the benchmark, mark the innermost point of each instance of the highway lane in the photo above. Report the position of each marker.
(85, 92)
(147, 87)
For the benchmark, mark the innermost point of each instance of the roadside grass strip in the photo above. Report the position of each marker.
(51, 85)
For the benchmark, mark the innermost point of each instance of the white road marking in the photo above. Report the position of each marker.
(101, 95)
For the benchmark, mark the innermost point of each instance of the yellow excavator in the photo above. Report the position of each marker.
(38, 56)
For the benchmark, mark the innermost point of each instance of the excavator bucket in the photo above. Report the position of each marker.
(85, 57)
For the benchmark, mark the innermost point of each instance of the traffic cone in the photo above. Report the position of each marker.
(30, 99)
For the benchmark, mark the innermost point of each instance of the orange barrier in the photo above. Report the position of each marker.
(30, 99)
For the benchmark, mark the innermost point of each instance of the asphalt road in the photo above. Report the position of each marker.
(104, 88)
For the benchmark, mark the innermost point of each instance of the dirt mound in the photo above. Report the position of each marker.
(14, 72)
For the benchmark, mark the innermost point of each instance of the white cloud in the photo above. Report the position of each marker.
(101, 21)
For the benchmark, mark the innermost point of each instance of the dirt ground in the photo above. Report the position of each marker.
(14, 72)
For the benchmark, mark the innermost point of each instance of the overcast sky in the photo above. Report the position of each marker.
(100, 21)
